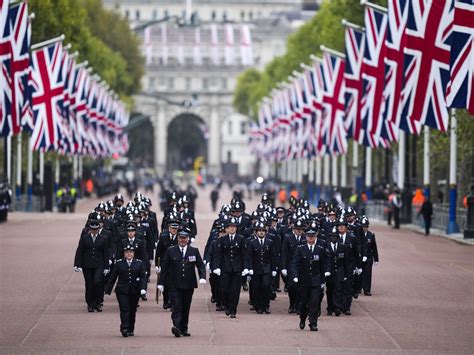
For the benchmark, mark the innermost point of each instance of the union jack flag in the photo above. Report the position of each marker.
(5, 80)
(333, 104)
(426, 68)
(354, 44)
(318, 81)
(47, 84)
(78, 109)
(373, 78)
(459, 92)
(394, 61)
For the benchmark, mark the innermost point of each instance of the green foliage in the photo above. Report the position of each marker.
(100, 36)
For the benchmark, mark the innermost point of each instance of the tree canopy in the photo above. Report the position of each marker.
(100, 36)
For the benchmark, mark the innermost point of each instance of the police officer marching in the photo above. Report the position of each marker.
(132, 283)
(178, 273)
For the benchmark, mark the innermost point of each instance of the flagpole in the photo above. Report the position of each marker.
(452, 225)
(426, 160)
(318, 177)
(374, 6)
(56, 175)
(401, 160)
(326, 176)
(8, 155)
(41, 179)
(311, 178)
(29, 176)
(18, 166)
(334, 177)
(332, 51)
(343, 171)
(74, 172)
(346, 23)
(368, 171)
(355, 164)
(48, 42)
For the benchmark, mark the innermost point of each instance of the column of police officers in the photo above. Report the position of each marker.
(331, 249)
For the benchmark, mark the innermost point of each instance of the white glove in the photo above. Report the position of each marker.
(354, 271)
(161, 288)
(364, 259)
(359, 271)
(202, 281)
(151, 261)
(106, 271)
(110, 262)
(143, 292)
(327, 274)
(217, 272)
(245, 272)
(295, 280)
(208, 267)
(77, 269)
(158, 269)
(345, 278)
(107, 295)
(250, 272)
(284, 272)
(156, 244)
(322, 285)
(193, 240)
(376, 263)
(274, 273)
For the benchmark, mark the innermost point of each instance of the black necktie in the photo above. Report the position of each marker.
(231, 238)
(261, 242)
(311, 249)
(182, 252)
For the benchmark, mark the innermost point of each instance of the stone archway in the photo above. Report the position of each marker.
(187, 139)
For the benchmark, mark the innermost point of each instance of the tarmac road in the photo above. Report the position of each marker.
(423, 300)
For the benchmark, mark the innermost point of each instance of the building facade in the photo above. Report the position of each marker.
(193, 70)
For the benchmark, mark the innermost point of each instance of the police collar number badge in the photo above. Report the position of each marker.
(192, 258)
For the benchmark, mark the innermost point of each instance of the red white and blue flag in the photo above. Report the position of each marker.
(47, 84)
(5, 79)
(459, 93)
(426, 67)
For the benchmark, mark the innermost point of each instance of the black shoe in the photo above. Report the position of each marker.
(166, 305)
(319, 314)
(186, 334)
(130, 334)
(176, 332)
(290, 309)
(338, 313)
(267, 311)
(302, 324)
(233, 315)
(124, 333)
(252, 308)
(245, 287)
(273, 296)
(259, 311)
(213, 300)
(143, 298)
(367, 294)
(98, 308)
(227, 312)
(90, 309)
(356, 295)
(313, 328)
(278, 289)
(347, 313)
(286, 289)
(330, 313)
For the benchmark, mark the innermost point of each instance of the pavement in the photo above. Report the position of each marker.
(423, 300)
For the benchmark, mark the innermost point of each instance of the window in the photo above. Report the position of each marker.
(137, 14)
(224, 16)
(229, 156)
(250, 15)
(155, 14)
(167, 13)
(188, 84)
(213, 15)
(242, 15)
(151, 84)
(127, 14)
(205, 84)
(243, 126)
(229, 128)
(224, 83)
(171, 83)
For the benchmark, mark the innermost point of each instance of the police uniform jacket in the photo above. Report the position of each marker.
(338, 262)
(369, 246)
(178, 272)
(212, 237)
(352, 246)
(91, 254)
(288, 249)
(262, 259)
(139, 246)
(165, 241)
(309, 267)
(131, 279)
(230, 256)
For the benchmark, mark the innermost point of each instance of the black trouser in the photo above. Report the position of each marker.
(427, 224)
(181, 304)
(347, 293)
(166, 295)
(215, 282)
(396, 217)
(261, 289)
(367, 274)
(276, 281)
(334, 295)
(356, 284)
(128, 310)
(230, 287)
(94, 279)
(292, 293)
(310, 304)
